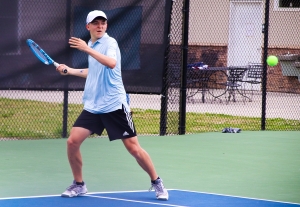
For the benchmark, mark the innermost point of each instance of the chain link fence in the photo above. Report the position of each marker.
(225, 35)
(200, 90)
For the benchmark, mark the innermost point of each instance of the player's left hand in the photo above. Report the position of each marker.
(77, 43)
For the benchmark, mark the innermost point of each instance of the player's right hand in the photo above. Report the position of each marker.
(63, 69)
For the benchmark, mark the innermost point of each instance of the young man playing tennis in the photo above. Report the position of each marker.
(105, 104)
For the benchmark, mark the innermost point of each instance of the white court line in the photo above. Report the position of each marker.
(41, 196)
(259, 199)
(134, 201)
(130, 191)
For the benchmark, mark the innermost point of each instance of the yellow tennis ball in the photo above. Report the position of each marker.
(272, 60)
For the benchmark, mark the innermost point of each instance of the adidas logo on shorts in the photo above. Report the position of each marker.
(125, 133)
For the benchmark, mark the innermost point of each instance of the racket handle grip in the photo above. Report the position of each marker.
(56, 65)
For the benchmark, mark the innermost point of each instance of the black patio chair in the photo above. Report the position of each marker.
(253, 77)
(234, 82)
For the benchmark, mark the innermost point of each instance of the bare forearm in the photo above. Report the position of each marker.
(78, 72)
(103, 59)
(82, 46)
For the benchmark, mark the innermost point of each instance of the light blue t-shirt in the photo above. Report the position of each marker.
(104, 90)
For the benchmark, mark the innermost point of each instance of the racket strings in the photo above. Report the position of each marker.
(37, 50)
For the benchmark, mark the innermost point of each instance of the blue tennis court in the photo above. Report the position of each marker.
(178, 198)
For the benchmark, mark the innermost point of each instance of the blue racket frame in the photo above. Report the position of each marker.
(33, 46)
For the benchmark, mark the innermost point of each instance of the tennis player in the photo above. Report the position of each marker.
(105, 105)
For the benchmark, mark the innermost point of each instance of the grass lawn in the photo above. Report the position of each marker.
(20, 118)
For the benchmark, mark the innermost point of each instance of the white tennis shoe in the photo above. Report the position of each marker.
(160, 190)
(75, 190)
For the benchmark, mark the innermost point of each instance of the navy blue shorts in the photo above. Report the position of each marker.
(118, 124)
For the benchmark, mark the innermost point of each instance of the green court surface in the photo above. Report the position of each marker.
(263, 165)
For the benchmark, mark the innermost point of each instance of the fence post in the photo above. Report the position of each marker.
(265, 55)
(65, 114)
(66, 82)
(165, 86)
(185, 39)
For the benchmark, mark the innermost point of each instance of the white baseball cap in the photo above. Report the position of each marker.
(93, 14)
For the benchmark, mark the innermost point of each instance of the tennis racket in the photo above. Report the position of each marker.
(41, 54)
